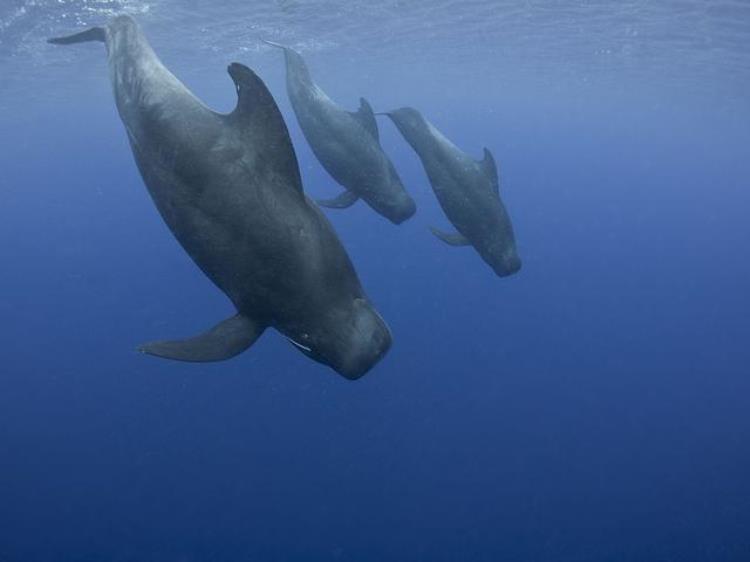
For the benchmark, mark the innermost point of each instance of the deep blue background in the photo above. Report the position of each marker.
(593, 407)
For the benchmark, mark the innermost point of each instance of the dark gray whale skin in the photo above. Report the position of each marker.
(347, 144)
(468, 192)
(229, 189)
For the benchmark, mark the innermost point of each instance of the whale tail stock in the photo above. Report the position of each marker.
(93, 34)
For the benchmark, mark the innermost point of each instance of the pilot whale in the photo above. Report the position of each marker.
(347, 144)
(467, 190)
(229, 189)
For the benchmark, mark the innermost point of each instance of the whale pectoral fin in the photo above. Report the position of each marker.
(343, 201)
(452, 239)
(489, 169)
(93, 34)
(366, 118)
(225, 340)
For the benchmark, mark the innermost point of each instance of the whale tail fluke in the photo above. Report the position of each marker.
(93, 34)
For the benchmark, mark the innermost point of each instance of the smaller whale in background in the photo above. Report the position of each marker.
(347, 144)
(468, 192)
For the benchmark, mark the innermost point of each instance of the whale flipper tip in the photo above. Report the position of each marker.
(273, 44)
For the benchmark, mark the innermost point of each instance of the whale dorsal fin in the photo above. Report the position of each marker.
(366, 118)
(489, 169)
(225, 340)
(259, 118)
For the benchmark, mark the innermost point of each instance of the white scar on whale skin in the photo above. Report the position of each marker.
(303, 347)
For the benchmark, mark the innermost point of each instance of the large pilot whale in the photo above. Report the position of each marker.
(467, 190)
(229, 189)
(347, 144)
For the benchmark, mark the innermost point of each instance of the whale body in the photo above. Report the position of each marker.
(229, 189)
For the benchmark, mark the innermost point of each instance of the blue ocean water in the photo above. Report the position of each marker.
(593, 407)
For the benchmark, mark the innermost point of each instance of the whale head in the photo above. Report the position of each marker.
(392, 200)
(350, 339)
(503, 259)
(497, 245)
